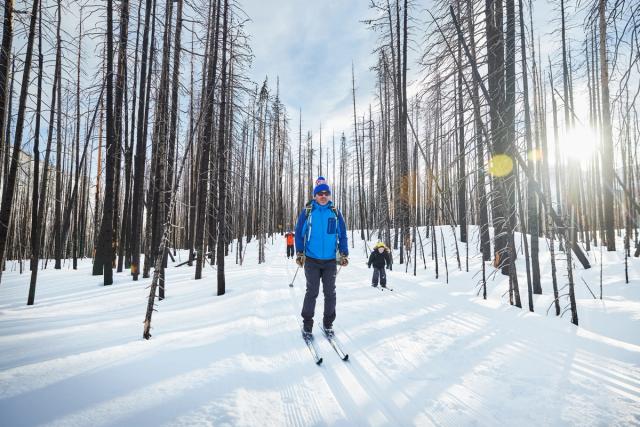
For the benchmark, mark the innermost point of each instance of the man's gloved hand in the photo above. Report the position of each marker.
(300, 259)
(369, 265)
(344, 260)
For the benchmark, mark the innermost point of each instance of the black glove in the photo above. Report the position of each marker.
(300, 259)
(344, 260)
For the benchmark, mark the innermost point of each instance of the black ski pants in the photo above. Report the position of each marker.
(314, 271)
(290, 252)
(378, 272)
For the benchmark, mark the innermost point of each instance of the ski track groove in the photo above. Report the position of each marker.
(293, 397)
(335, 366)
(368, 383)
(444, 418)
(303, 397)
(334, 369)
(392, 339)
(364, 373)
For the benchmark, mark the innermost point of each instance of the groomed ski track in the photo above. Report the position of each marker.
(428, 353)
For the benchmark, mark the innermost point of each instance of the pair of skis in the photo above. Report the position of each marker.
(308, 339)
(330, 336)
(382, 288)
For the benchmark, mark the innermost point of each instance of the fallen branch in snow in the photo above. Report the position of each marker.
(594, 297)
(553, 302)
(187, 262)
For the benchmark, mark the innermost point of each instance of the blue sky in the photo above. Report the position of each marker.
(310, 46)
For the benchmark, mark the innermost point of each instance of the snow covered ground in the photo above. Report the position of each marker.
(428, 353)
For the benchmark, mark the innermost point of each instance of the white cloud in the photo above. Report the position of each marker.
(310, 46)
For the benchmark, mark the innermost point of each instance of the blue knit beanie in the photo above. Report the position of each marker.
(321, 187)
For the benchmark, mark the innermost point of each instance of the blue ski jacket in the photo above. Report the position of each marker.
(319, 233)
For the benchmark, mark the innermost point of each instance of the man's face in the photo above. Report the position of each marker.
(322, 197)
(380, 249)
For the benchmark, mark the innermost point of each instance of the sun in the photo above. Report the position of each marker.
(579, 144)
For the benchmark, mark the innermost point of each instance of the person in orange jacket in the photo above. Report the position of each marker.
(290, 240)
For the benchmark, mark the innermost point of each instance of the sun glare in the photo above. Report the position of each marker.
(500, 165)
(579, 144)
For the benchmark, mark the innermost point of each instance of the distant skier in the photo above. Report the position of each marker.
(289, 236)
(321, 242)
(379, 258)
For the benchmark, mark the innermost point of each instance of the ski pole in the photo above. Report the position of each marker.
(294, 277)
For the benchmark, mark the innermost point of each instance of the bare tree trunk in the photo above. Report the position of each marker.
(119, 136)
(607, 137)
(222, 159)
(164, 240)
(41, 207)
(495, 68)
(572, 294)
(485, 242)
(5, 95)
(7, 195)
(76, 211)
(355, 137)
(59, 178)
(532, 202)
(173, 124)
(462, 173)
(104, 250)
(208, 104)
(141, 150)
(36, 167)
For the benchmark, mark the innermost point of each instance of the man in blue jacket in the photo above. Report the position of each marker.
(321, 242)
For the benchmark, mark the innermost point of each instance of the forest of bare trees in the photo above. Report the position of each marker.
(136, 132)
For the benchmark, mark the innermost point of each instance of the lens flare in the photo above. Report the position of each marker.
(500, 165)
(535, 155)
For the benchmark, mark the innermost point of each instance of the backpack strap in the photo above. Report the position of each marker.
(307, 215)
(335, 212)
(308, 206)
